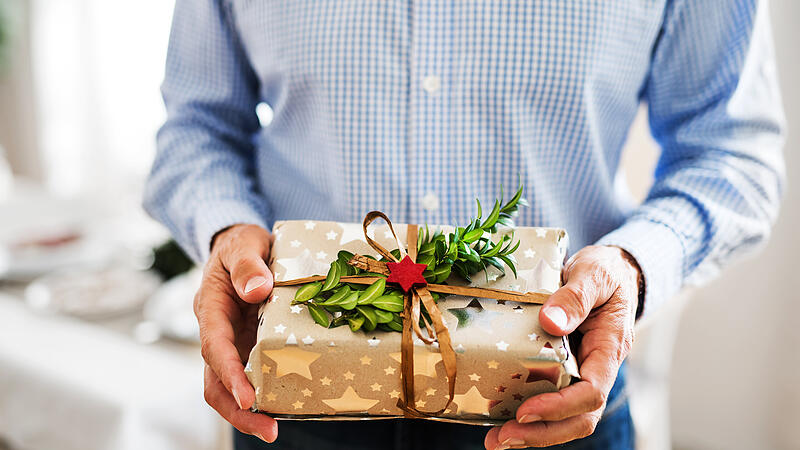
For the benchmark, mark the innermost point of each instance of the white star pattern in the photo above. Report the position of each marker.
(530, 253)
(518, 310)
(308, 340)
(331, 235)
(541, 232)
(460, 348)
(295, 243)
(373, 342)
(321, 255)
(279, 328)
(533, 336)
(296, 309)
(492, 277)
(332, 344)
(502, 346)
(310, 225)
(291, 340)
(387, 234)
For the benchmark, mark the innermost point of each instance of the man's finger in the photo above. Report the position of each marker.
(569, 306)
(579, 398)
(243, 250)
(260, 425)
(217, 345)
(541, 434)
(250, 276)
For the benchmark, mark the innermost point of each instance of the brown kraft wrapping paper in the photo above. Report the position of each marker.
(301, 370)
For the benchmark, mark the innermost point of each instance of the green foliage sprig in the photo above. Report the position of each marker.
(465, 252)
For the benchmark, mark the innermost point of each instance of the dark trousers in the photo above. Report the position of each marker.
(614, 432)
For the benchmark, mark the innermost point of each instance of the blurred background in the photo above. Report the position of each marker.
(98, 344)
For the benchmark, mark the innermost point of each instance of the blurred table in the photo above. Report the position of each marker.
(67, 383)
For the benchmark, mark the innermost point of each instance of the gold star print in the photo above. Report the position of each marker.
(420, 403)
(306, 392)
(325, 381)
(389, 370)
(394, 394)
(376, 387)
(431, 391)
(298, 404)
(424, 362)
(493, 364)
(472, 402)
(475, 377)
(366, 360)
(349, 375)
(292, 360)
(350, 402)
(271, 397)
(265, 368)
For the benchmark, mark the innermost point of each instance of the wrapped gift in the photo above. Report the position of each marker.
(301, 370)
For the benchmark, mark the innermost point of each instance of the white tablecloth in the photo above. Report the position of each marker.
(70, 384)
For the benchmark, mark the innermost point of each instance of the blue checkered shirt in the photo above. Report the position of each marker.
(416, 108)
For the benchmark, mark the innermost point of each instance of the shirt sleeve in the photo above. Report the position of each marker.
(714, 108)
(202, 179)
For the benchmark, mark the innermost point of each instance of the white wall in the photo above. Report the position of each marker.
(734, 378)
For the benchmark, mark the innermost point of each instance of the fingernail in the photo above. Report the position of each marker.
(260, 437)
(512, 442)
(236, 397)
(254, 283)
(501, 447)
(528, 418)
(557, 315)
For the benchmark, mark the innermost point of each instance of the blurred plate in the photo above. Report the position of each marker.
(92, 293)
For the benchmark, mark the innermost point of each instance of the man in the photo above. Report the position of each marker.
(415, 108)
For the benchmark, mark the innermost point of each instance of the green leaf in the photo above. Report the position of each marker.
(473, 235)
(427, 248)
(350, 301)
(492, 219)
(441, 273)
(383, 316)
(369, 314)
(356, 322)
(319, 315)
(395, 325)
(374, 291)
(334, 273)
(428, 260)
(338, 295)
(307, 292)
(391, 302)
(509, 260)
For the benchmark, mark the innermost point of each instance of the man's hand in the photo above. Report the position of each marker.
(235, 280)
(599, 299)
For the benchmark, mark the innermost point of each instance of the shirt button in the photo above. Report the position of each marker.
(431, 84)
(430, 202)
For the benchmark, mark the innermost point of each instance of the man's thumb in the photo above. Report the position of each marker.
(567, 308)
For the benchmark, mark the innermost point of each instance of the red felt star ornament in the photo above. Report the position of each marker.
(406, 273)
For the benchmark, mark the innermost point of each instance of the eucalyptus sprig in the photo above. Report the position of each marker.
(465, 251)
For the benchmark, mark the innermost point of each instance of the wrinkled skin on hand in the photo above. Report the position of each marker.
(235, 280)
(599, 299)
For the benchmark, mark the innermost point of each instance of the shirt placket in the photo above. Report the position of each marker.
(428, 153)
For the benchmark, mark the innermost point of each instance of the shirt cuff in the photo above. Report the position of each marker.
(660, 254)
(216, 215)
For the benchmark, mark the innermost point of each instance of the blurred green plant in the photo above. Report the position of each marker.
(4, 35)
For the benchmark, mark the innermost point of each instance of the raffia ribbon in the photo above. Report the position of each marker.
(436, 330)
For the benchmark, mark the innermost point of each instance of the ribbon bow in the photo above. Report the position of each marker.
(417, 290)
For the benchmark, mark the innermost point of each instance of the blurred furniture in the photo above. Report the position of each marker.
(68, 384)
